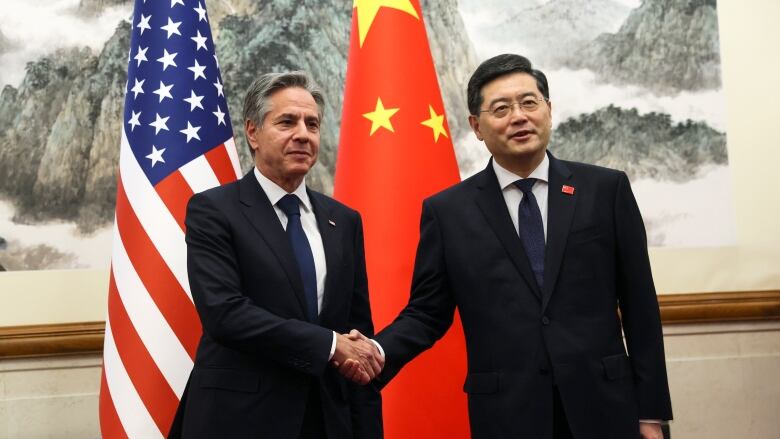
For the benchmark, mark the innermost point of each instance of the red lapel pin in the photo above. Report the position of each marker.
(566, 189)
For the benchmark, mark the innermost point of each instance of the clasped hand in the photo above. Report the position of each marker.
(357, 358)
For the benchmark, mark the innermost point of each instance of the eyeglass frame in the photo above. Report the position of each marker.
(537, 101)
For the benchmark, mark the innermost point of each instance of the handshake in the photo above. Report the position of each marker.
(357, 358)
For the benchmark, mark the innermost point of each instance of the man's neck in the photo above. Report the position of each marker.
(523, 167)
(289, 184)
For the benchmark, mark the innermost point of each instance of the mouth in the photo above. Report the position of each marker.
(522, 135)
(299, 153)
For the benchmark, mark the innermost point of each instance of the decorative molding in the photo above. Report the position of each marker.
(737, 306)
(51, 339)
(87, 337)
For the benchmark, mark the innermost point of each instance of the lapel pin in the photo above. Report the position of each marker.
(332, 223)
(566, 189)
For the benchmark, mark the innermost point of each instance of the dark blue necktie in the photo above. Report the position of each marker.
(300, 245)
(529, 220)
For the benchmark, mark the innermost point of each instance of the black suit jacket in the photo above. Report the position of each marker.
(259, 355)
(523, 340)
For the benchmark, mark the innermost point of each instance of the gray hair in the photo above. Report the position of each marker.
(257, 103)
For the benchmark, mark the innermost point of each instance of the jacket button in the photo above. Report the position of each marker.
(545, 320)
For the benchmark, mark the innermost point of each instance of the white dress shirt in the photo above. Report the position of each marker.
(309, 222)
(513, 195)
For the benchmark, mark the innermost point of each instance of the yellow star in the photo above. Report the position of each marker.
(367, 10)
(380, 117)
(436, 123)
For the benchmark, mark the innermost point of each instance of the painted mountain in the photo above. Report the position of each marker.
(642, 145)
(665, 45)
(666, 48)
(546, 32)
(635, 85)
(59, 127)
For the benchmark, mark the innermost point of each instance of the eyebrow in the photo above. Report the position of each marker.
(296, 116)
(520, 96)
(286, 116)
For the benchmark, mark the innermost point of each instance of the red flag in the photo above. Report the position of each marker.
(176, 140)
(395, 150)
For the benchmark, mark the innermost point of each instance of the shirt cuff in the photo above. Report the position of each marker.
(654, 421)
(378, 346)
(333, 346)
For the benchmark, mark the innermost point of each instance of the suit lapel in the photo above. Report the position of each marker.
(491, 201)
(260, 213)
(332, 247)
(560, 212)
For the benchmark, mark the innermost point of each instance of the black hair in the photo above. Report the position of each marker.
(501, 65)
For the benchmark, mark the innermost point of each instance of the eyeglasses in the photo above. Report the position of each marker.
(528, 104)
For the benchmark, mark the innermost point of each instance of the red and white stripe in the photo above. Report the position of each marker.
(152, 329)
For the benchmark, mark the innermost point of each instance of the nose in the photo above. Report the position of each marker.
(516, 114)
(301, 132)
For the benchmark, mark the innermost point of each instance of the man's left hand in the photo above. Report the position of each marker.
(649, 430)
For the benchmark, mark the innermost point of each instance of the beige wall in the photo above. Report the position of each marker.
(54, 296)
(52, 398)
(723, 379)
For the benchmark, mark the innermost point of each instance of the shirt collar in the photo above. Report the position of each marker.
(507, 178)
(275, 193)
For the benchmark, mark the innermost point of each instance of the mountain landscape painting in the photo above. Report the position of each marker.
(635, 85)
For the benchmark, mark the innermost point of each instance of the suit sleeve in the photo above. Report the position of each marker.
(227, 314)
(365, 401)
(429, 313)
(639, 308)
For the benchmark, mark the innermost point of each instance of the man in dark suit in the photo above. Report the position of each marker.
(277, 273)
(537, 254)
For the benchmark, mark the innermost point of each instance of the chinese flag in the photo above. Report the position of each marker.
(395, 150)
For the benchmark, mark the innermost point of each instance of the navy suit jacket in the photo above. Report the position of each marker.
(259, 356)
(522, 340)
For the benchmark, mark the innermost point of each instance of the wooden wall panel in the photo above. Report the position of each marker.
(87, 337)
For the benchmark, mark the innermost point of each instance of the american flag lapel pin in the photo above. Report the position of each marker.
(566, 189)
(332, 223)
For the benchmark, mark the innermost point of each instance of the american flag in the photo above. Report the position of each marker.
(177, 140)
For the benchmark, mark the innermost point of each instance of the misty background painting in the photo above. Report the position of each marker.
(635, 85)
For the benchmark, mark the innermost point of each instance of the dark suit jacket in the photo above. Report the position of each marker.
(259, 355)
(522, 340)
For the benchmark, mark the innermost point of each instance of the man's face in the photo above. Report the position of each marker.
(287, 143)
(520, 138)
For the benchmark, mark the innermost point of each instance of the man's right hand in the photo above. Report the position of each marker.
(357, 359)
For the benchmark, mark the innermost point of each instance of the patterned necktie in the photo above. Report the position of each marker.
(531, 228)
(300, 245)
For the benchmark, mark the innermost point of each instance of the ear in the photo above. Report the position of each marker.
(474, 122)
(549, 111)
(251, 131)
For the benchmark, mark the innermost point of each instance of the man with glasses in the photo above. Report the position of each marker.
(546, 261)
